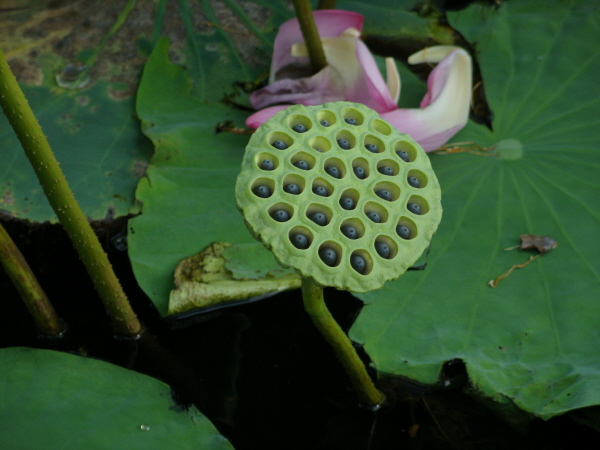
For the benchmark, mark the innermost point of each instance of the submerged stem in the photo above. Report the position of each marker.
(63, 203)
(310, 34)
(34, 297)
(341, 344)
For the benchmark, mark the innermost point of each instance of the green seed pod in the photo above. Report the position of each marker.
(384, 249)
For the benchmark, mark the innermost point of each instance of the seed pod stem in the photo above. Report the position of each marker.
(314, 305)
(310, 34)
(63, 203)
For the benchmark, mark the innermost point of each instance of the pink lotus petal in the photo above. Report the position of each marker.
(330, 23)
(325, 86)
(258, 118)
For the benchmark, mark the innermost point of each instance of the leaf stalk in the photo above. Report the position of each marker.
(310, 34)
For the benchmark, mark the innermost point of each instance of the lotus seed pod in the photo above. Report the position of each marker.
(312, 232)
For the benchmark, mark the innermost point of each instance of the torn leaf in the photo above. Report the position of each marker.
(543, 244)
(203, 280)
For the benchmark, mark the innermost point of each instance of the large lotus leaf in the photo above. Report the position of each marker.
(533, 337)
(57, 400)
(92, 130)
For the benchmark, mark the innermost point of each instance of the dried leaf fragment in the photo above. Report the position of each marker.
(543, 244)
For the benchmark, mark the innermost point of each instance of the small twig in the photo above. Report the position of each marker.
(465, 147)
(494, 283)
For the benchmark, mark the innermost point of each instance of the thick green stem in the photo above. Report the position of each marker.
(310, 34)
(63, 202)
(341, 344)
(326, 4)
(29, 289)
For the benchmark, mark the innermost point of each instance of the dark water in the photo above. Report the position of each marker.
(260, 371)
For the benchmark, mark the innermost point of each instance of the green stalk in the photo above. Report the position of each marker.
(29, 289)
(63, 202)
(310, 34)
(342, 346)
(326, 4)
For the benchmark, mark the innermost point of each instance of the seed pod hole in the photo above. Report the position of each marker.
(300, 237)
(371, 141)
(405, 151)
(303, 161)
(280, 140)
(299, 123)
(419, 176)
(390, 188)
(321, 143)
(352, 228)
(419, 204)
(338, 164)
(381, 127)
(345, 140)
(266, 161)
(406, 228)
(373, 210)
(263, 187)
(319, 214)
(330, 252)
(385, 247)
(353, 115)
(349, 199)
(293, 180)
(322, 187)
(388, 167)
(326, 116)
(281, 212)
(360, 168)
(360, 260)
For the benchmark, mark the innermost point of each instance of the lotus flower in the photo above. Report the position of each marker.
(351, 74)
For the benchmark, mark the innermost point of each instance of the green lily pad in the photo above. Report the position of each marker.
(57, 400)
(532, 338)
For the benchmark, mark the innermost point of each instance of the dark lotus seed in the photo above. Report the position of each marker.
(358, 263)
(279, 145)
(383, 249)
(280, 215)
(403, 231)
(349, 232)
(414, 182)
(262, 191)
(414, 208)
(300, 241)
(403, 155)
(293, 189)
(333, 171)
(318, 150)
(360, 172)
(385, 170)
(372, 148)
(384, 194)
(374, 216)
(350, 121)
(344, 144)
(267, 164)
(347, 203)
(299, 128)
(325, 123)
(320, 190)
(302, 165)
(328, 256)
(318, 218)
